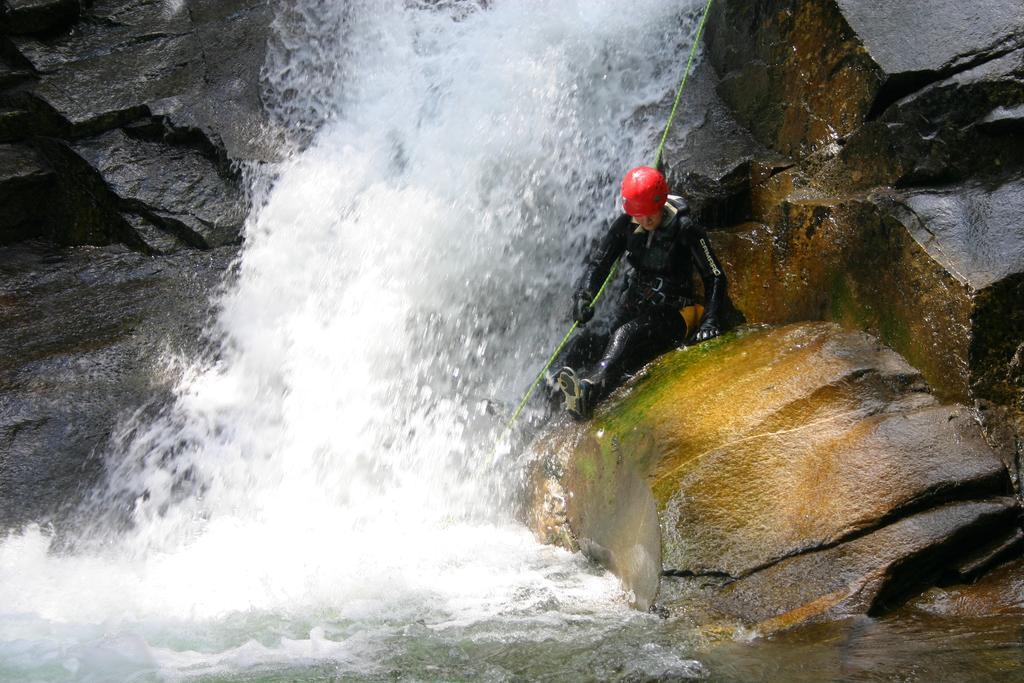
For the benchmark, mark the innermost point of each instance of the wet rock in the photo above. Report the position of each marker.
(828, 238)
(174, 187)
(111, 89)
(233, 36)
(974, 231)
(184, 78)
(12, 74)
(84, 342)
(934, 273)
(774, 445)
(157, 239)
(947, 36)
(867, 575)
(966, 126)
(794, 439)
(794, 73)
(107, 27)
(614, 518)
(871, 469)
(83, 211)
(26, 185)
(803, 75)
(196, 66)
(999, 593)
(13, 124)
(1001, 548)
(851, 260)
(708, 154)
(37, 16)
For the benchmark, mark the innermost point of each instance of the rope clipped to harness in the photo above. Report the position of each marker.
(614, 269)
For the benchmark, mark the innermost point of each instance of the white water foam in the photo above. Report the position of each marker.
(330, 464)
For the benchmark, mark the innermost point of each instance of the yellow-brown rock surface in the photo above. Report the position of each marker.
(776, 453)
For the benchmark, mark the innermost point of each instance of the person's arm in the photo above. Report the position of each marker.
(600, 263)
(713, 275)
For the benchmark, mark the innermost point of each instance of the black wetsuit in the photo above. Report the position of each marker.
(649, 322)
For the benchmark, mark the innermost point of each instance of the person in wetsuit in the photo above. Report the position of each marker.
(662, 245)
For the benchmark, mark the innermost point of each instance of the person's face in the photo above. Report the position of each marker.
(651, 222)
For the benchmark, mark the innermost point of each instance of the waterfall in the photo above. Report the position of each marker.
(329, 461)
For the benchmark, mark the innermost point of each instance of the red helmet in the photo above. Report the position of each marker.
(644, 191)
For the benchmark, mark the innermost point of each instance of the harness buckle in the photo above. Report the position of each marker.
(653, 290)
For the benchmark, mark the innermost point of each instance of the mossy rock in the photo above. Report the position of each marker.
(765, 446)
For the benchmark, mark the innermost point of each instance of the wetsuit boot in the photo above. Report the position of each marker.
(580, 393)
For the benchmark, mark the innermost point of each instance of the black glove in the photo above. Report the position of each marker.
(581, 309)
(708, 329)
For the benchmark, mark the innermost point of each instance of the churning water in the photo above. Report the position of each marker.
(321, 497)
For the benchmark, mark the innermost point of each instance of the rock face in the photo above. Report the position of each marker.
(129, 86)
(613, 514)
(805, 471)
(886, 195)
(122, 123)
(84, 332)
(174, 187)
(781, 66)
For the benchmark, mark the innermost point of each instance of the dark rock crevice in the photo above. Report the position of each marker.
(940, 495)
(903, 85)
(911, 574)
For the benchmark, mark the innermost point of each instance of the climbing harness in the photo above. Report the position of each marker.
(611, 274)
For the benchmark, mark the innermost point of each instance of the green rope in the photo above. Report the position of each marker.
(565, 340)
(682, 84)
(657, 160)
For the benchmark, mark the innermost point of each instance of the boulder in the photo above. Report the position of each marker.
(773, 449)
(615, 520)
(174, 187)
